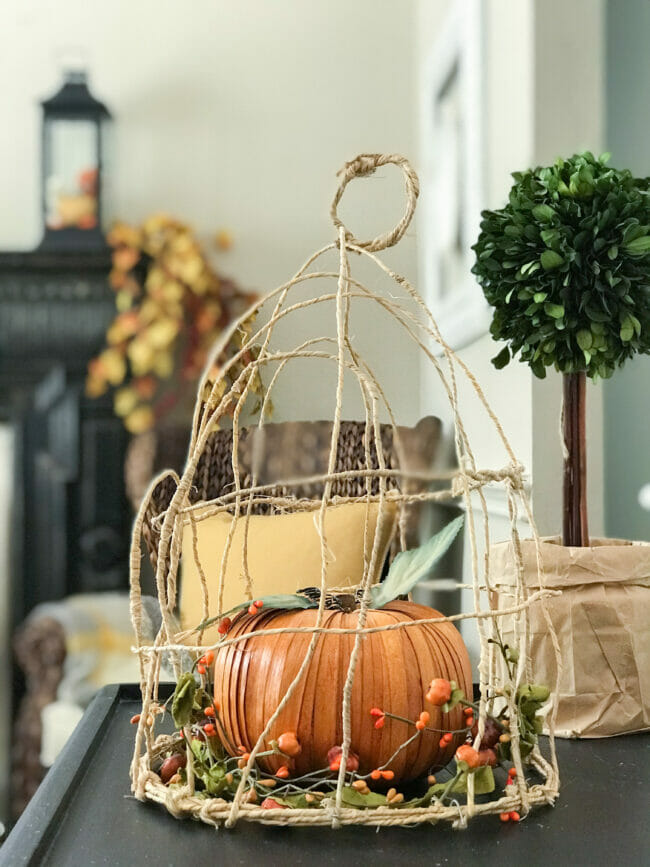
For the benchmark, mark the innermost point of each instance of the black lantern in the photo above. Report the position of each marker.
(74, 126)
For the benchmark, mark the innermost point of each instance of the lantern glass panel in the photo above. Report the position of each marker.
(72, 172)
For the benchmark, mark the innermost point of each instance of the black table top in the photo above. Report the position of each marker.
(83, 815)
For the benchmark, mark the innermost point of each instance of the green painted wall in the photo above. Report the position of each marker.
(627, 395)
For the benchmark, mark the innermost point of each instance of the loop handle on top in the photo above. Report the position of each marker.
(365, 164)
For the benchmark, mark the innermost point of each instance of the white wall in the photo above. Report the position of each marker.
(627, 394)
(543, 77)
(231, 114)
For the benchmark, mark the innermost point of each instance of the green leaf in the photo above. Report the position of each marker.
(585, 339)
(279, 600)
(627, 331)
(543, 213)
(538, 297)
(183, 700)
(352, 798)
(555, 311)
(639, 246)
(500, 360)
(613, 251)
(296, 802)
(411, 566)
(483, 785)
(457, 695)
(550, 259)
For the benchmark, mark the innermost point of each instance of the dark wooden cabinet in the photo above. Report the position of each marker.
(70, 521)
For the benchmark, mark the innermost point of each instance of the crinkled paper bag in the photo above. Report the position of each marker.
(602, 621)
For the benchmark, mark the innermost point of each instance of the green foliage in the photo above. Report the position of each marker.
(411, 566)
(566, 266)
(183, 700)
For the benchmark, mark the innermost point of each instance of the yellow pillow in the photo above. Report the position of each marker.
(284, 554)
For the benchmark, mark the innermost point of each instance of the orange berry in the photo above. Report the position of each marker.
(334, 758)
(505, 817)
(512, 772)
(224, 625)
(375, 775)
(241, 749)
(439, 691)
(209, 658)
(289, 744)
(208, 711)
(135, 719)
(379, 723)
(200, 669)
(282, 772)
(468, 711)
(252, 609)
(375, 711)
(420, 724)
(468, 755)
(514, 816)
(425, 717)
(469, 721)
(488, 757)
(270, 804)
(388, 775)
(216, 706)
(259, 603)
(210, 729)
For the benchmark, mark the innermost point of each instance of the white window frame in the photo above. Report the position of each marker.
(460, 310)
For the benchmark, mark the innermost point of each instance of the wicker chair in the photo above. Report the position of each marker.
(299, 450)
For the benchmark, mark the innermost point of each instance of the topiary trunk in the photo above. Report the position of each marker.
(574, 529)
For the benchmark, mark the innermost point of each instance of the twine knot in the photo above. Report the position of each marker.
(362, 166)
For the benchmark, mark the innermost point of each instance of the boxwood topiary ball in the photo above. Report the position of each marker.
(566, 266)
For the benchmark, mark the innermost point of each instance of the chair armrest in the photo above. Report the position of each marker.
(39, 646)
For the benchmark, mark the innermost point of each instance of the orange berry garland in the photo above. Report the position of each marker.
(439, 692)
(224, 625)
(468, 755)
(289, 745)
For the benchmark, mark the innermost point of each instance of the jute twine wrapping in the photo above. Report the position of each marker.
(409, 313)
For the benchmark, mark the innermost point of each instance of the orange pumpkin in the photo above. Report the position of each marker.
(394, 670)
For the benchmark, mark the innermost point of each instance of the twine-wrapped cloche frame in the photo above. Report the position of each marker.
(241, 501)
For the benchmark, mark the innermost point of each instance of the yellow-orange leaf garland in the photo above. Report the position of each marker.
(171, 306)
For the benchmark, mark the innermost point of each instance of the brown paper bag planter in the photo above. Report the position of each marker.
(330, 669)
(602, 622)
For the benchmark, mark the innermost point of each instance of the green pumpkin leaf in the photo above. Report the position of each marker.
(278, 600)
(411, 566)
(183, 700)
(550, 259)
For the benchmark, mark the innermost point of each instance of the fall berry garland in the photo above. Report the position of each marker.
(218, 774)
(219, 765)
